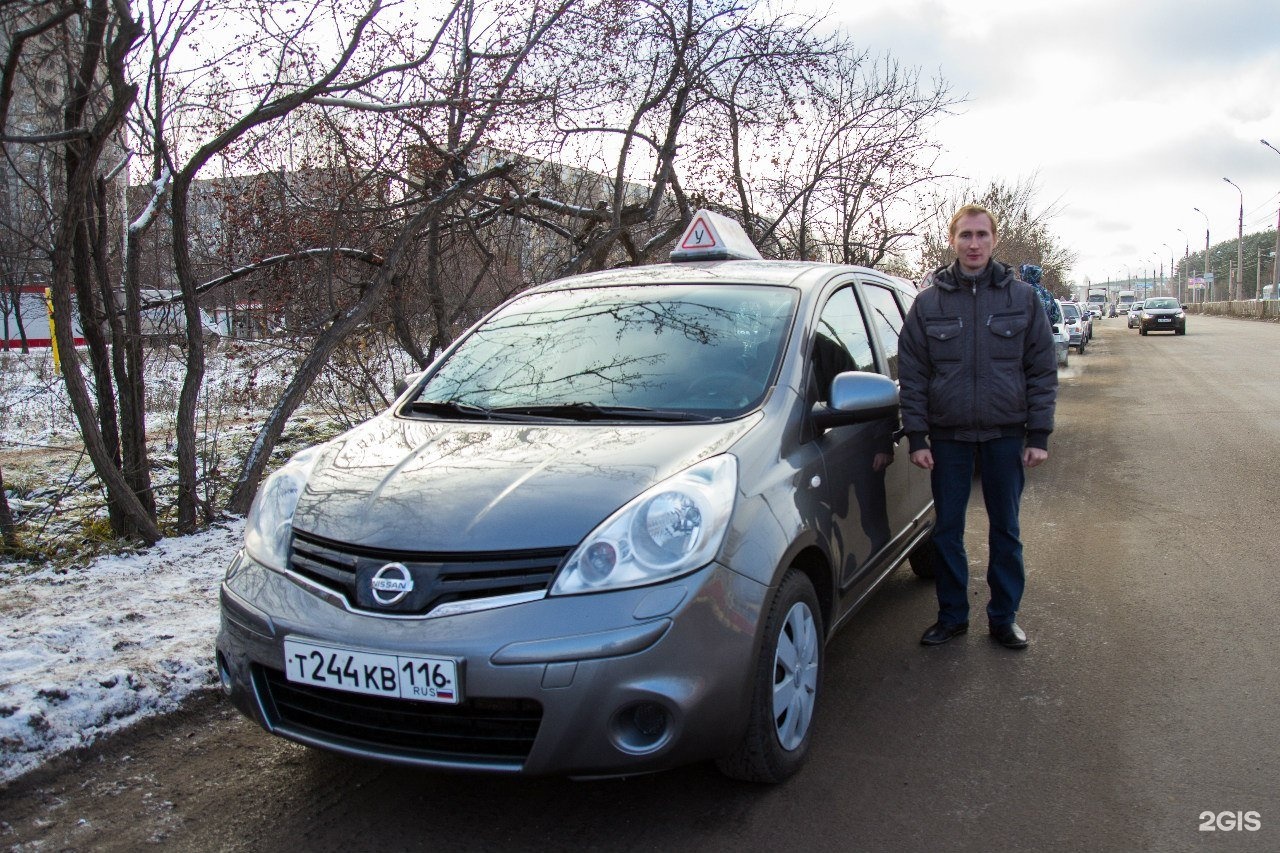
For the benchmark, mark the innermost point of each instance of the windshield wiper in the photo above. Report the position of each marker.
(468, 411)
(594, 412)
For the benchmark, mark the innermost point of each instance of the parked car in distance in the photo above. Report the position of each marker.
(1074, 322)
(609, 531)
(1061, 339)
(1135, 311)
(1086, 315)
(1162, 314)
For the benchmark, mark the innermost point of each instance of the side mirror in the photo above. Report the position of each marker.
(857, 397)
(402, 383)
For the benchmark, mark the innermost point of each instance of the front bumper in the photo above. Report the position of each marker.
(1159, 324)
(604, 684)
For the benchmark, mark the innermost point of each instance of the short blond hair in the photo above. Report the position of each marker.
(970, 209)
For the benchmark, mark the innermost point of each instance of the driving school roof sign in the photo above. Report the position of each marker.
(714, 237)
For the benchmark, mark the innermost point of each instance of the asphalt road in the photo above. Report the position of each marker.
(1149, 696)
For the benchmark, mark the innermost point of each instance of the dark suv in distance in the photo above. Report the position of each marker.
(609, 531)
(1162, 314)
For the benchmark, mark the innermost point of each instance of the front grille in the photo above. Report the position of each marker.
(476, 730)
(439, 578)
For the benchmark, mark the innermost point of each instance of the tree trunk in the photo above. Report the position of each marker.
(127, 366)
(255, 462)
(70, 254)
(185, 426)
(8, 530)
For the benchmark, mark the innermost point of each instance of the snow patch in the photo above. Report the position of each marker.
(90, 651)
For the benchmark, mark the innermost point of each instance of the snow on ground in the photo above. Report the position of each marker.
(93, 645)
(88, 651)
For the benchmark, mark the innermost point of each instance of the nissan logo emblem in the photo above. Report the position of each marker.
(391, 584)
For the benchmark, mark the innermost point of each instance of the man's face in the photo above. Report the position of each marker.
(973, 242)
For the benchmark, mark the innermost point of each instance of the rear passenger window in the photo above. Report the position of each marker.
(841, 343)
(886, 316)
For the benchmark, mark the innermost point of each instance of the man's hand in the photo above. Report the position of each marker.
(1031, 456)
(923, 459)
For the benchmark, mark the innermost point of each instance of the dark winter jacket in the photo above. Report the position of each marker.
(976, 360)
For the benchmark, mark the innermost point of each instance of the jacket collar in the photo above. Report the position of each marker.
(950, 277)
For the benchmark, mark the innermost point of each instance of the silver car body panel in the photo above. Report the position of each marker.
(807, 497)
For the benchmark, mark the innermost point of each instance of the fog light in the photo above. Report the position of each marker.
(650, 719)
(642, 727)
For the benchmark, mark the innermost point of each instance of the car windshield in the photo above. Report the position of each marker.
(662, 352)
(1070, 311)
(1160, 303)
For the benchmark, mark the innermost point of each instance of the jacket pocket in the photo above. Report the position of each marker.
(1008, 333)
(944, 335)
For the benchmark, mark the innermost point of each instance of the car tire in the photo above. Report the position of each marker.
(1141, 330)
(1080, 350)
(1181, 331)
(924, 560)
(789, 671)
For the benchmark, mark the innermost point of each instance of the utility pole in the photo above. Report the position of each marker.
(1239, 291)
(1207, 289)
(1275, 272)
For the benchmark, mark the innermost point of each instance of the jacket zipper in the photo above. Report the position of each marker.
(973, 413)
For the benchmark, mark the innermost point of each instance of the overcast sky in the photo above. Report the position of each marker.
(1129, 112)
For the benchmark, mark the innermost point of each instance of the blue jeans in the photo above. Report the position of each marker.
(1002, 481)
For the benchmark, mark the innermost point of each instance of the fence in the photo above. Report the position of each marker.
(1254, 309)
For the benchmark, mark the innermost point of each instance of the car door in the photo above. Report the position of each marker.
(907, 488)
(854, 490)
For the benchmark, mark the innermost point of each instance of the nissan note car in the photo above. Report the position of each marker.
(609, 531)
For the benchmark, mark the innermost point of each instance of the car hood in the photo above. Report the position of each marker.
(1161, 312)
(463, 487)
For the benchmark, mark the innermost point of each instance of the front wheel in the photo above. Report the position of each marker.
(1142, 330)
(785, 694)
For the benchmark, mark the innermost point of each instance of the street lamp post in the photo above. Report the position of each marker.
(1276, 272)
(1172, 291)
(1239, 243)
(1206, 288)
(1186, 266)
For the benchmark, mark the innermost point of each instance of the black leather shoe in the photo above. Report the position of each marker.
(1010, 636)
(939, 632)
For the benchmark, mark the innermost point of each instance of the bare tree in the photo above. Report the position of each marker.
(1026, 233)
(840, 180)
(78, 51)
(466, 88)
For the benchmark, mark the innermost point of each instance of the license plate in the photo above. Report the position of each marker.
(1164, 320)
(425, 679)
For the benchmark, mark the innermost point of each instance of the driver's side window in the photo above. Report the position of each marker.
(840, 343)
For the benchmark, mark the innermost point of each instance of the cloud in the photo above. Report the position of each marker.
(1129, 113)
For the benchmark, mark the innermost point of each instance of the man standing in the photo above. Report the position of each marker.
(979, 379)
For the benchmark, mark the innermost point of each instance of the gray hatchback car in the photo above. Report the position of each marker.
(608, 532)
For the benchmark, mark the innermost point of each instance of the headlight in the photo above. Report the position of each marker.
(673, 528)
(1180, 315)
(270, 521)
